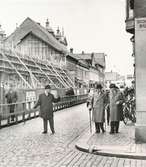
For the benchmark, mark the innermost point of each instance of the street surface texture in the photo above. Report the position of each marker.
(123, 141)
(23, 145)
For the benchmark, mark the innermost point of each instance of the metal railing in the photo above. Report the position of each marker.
(23, 110)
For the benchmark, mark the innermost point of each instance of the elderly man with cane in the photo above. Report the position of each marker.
(98, 111)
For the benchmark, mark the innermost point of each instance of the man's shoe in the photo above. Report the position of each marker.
(103, 131)
(111, 132)
(44, 132)
(97, 132)
(53, 133)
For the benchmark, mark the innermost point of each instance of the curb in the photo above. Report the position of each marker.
(111, 153)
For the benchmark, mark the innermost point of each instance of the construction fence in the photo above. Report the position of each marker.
(27, 98)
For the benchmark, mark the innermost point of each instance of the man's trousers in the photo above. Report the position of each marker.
(51, 122)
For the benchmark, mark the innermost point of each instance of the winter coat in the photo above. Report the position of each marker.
(98, 114)
(46, 105)
(89, 99)
(116, 109)
(11, 97)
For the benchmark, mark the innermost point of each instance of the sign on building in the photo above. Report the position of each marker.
(30, 97)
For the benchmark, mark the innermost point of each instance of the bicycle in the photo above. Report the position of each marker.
(129, 111)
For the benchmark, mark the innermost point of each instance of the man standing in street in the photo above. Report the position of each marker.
(116, 100)
(98, 112)
(12, 98)
(45, 102)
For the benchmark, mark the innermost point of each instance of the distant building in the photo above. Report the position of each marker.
(33, 56)
(129, 79)
(78, 70)
(111, 76)
(114, 77)
(89, 68)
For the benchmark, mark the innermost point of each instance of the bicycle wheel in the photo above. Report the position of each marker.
(125, 120)
(125, 116)
(133, 119)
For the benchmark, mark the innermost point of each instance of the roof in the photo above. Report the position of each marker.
(30, 26)
(82, 62)
(85, 56)
(99, 58)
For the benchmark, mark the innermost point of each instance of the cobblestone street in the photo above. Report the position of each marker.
(24, 145)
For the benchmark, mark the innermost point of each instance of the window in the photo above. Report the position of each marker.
(131, 4)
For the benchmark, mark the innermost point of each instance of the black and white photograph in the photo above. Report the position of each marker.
(73, 83)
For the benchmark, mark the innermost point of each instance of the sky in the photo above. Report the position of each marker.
(89, 25)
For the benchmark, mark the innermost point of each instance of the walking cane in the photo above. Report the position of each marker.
(105, 111)
(90, 120)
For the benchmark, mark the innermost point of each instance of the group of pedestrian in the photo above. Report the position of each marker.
(109, 102)
(100, 101)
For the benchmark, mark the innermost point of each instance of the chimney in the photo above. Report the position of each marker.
(83, 52)
(92, 55)
(47, 24)
(71, 50)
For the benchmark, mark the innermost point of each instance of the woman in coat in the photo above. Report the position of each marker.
(98, 115)
(116, 100)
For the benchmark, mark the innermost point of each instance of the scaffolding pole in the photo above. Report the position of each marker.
(30, 73)
(44, 73)
(57, 74)
(72, 83)
(19, 74)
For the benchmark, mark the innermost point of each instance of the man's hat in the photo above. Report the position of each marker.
(47, 87)
(98, 86)
(112, 86)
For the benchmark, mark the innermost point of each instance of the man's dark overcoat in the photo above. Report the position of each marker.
(46, 105)
(116, 113)
(11, 97)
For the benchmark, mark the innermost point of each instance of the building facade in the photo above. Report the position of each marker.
(136, 25)
(114, 77)
(89, 68)
(34, 55)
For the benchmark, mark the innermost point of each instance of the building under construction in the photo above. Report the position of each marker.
(33, 56)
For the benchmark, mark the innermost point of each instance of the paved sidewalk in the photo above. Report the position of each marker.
(120, 145)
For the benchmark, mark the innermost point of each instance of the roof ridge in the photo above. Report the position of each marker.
(35, 28)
